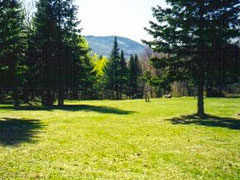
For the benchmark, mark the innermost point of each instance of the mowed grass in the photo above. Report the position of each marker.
(128, 139)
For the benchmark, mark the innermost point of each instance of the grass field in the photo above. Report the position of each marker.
(128, 139)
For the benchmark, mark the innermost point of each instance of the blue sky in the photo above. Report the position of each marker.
(116, 17)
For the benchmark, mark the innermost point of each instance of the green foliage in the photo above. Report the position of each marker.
(84, 73)
(112, 71)
(147, 77)
(99, 64)
(193, 35)
(57, 50)
(134, 77)
(123, 73)
(12, 47)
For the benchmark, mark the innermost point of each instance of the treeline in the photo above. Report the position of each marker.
(45, 58)
(116, 77)
(195, 45)
(123, 78)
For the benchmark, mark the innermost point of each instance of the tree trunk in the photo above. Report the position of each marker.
(43, 100)
(112, 94)
(32, 96)
(60, 98)
(47, 99)
(117, 93)
(120, 96)
(121, 87)
(60, 102)
(75, 94)
(1, 97)
(200, 112)
(16, 97)
(220, 91)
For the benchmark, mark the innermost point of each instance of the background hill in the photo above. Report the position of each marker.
(102, 45)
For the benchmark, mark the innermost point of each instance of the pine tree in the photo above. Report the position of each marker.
(85, 71)
(192, 35)
(32, 81)
(56, 47)
(123, 75)
(112, 71)
(12, 46)
(134, 76)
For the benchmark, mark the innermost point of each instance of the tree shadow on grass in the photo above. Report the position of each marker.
(16, 131)
(99, 109)
(209, 120)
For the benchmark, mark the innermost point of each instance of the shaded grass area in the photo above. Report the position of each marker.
(209, 121)
(99, 109)
(128, 139)
(14, 131)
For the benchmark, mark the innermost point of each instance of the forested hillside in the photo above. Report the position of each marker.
(102, 45)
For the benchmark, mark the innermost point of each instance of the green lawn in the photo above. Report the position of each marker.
(128, 139)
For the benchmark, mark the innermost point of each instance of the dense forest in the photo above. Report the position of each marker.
(45, 59)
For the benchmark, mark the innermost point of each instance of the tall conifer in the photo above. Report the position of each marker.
(123, 73)
(12, 46)
(112, 71)
(134, 76)
(193, 35)
(56, 43)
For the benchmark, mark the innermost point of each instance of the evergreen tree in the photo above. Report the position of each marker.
(56, 48)
(112, 71)
(134, 77)
(123, 75)
(12, 46)
(86, 74)
(32, 75)
(224, 71)
(192, 35)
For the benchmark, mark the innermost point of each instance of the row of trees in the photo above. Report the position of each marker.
(194, 42)
(122, 77)
(44, 57)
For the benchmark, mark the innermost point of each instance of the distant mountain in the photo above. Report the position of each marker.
(102, 45)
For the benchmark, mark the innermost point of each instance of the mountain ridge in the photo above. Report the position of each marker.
(102, 45)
